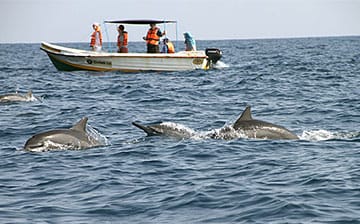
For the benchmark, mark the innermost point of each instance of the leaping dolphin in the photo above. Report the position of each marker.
(244, 126)
(17, 97)
(74, 138)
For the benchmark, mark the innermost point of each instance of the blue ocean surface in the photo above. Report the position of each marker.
(308, 85)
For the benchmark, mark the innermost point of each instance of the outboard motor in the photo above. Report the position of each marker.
(213, 54)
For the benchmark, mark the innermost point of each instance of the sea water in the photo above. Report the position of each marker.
(308, 85)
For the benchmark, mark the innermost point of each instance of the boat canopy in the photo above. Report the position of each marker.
(143, 22)
(140, 21)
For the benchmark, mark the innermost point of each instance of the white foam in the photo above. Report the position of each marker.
(323, 135)
(227, 132)
(220, 65)
(32, 98)
(97, 136)
(177, 130)
(50, 146)
(178, 127)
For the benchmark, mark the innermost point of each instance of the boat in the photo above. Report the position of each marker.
(71, 59)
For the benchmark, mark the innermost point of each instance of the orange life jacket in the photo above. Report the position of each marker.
(123, 42)
(152, 37)
(93, 37)
(170, 47)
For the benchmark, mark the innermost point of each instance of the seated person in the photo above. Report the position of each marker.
(190, 44)
(168, 47)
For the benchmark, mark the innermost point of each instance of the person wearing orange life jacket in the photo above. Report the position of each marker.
(96, 38)
(152, 39)
(168, 47)
(122, 40)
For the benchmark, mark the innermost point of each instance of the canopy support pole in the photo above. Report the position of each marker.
(107, 36)
(177, 30)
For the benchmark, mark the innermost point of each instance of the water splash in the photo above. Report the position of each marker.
(226, 132)
(33, 98)
(323, 135)
(220, 65)
(177, 130)
(51, 146)
(96, 137)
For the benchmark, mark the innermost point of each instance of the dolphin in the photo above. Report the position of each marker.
(166, 128)
(17, 97)
(253, 128)
(74, 138)
(245, 125)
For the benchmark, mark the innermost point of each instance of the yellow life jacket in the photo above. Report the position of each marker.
(170, 47)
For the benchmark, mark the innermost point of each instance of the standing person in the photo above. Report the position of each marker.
(168, 47)
(96, 38)
(152, 39)
(122, 40)
(190, 44)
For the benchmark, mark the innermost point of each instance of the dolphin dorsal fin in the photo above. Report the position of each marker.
(81, 125)
(245, 116)
(29, 94)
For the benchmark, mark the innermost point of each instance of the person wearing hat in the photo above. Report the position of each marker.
(190, 44)
(152, 38)
(122, 40)
(96, 38)
(168, 47)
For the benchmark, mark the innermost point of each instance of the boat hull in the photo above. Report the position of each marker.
(69, 59)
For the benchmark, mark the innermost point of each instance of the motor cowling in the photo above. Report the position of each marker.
(213, 54)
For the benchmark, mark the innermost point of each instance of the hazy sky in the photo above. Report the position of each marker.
(70, 20)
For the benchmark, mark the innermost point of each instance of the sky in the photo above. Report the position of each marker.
(59, 21)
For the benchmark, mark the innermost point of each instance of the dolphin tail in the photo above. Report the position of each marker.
(148, 130)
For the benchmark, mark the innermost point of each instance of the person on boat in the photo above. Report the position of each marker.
(168, 47)
(96, 38)
(190, 44)
(152, 38)
(122, 40)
